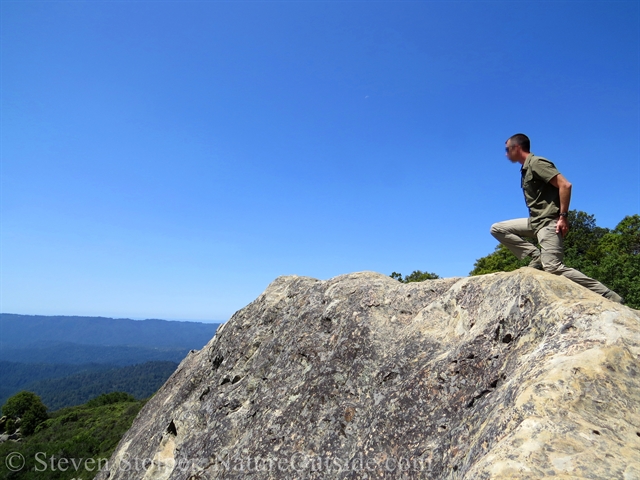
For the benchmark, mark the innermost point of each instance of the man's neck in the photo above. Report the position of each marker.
(523, 158)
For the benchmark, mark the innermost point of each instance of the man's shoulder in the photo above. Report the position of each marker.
(537, 158)
(536, 162)
(533, 159)
(542, 168)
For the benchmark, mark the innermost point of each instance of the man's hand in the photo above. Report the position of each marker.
(562, 226)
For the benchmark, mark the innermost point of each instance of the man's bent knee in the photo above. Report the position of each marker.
(497, 229)
(553, 267)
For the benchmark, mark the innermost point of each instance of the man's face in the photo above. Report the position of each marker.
(511, 151)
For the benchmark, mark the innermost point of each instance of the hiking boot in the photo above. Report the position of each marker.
(613, 296)
(535, 261)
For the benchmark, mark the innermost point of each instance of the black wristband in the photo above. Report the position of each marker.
(565, 214)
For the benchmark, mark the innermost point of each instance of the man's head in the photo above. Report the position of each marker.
(517, 148)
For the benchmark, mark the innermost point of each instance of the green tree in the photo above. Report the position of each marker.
(28, 407)
(415, 276)
(501, 260)
(80, 432)
(581, 249)
(618, 260)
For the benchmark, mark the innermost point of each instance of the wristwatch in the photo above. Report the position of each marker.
(563, 214)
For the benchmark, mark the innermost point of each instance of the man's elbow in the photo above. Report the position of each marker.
(563, 183)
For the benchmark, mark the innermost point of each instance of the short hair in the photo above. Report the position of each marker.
(522, 140)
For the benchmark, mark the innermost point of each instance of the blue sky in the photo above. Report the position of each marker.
(169, 159)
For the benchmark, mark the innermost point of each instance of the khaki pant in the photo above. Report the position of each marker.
(551, 253)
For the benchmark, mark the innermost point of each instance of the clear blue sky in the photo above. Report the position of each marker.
(169, 159)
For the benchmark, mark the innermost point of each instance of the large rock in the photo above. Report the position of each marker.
(510, 375)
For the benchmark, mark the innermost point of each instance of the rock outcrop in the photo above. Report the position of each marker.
(509, 375)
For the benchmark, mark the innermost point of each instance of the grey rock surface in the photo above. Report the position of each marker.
(509, 375)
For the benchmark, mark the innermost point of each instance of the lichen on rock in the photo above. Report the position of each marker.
(508, 375)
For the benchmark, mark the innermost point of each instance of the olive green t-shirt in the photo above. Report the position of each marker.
(542, 198)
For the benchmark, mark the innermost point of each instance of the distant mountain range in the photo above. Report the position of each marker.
(37, 330)
(68, 360)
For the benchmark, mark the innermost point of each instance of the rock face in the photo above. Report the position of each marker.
(509, 375)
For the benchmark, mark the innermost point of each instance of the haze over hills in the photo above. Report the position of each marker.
(30, 330)
(69, 359)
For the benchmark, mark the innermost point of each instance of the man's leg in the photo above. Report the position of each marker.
(552, 255)
(510, 233)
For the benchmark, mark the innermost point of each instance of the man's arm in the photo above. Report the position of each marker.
(564, 187)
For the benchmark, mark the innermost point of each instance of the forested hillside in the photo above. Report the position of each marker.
(140, 381)
(88, 434)
(17, 376)
(60, 386)
(68, 360)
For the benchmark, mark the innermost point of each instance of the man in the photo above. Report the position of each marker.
(547, 194)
